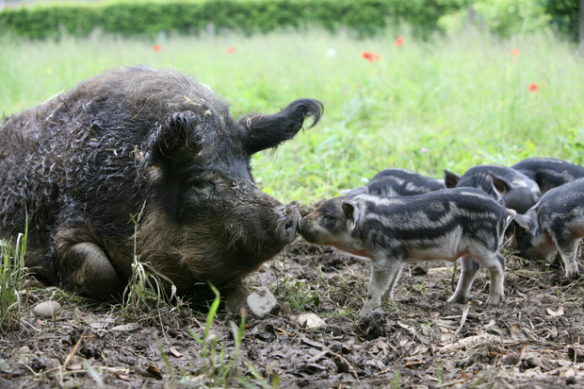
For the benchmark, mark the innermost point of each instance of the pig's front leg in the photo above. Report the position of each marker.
(385, 273)
(236, 297)
(89, 270)
(468, 269)
(568, 249)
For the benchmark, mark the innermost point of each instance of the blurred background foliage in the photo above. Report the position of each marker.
(363, 18)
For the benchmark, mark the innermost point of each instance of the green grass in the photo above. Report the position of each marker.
(12, 281)
(450, 103)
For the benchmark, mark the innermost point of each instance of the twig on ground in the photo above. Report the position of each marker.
(74, 350)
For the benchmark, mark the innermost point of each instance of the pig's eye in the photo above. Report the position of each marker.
(203, 185)
(327, 216)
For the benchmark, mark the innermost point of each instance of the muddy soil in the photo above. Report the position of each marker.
(417, 341)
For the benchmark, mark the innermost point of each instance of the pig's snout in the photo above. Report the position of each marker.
(288, 224)
(301, 223)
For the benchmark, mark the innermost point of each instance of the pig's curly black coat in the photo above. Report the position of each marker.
(80, 164)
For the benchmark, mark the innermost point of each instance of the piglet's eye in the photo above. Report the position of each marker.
(327, 216)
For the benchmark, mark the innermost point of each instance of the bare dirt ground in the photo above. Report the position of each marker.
(418, 341)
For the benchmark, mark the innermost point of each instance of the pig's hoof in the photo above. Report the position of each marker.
(573, 275)
(456, 300)
(236, 299)
(367, 308)
(493, 302)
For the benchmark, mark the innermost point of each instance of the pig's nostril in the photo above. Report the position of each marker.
(288, 226)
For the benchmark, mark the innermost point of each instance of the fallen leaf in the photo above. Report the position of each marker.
(123, 377)
(127, 327)
(312, 343)
(310, 321)
(98, 326)
(554, 332)
(491, 324)
(75, 366)
(154, 371)
(557, 313)
(175, 352)
(516, 332)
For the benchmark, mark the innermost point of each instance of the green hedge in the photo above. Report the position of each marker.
(365, 17)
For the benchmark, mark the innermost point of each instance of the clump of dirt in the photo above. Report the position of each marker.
(416, 341)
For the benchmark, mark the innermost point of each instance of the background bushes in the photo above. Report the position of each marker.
(565, 14)
(365, 17)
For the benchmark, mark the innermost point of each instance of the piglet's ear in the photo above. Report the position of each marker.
(501, 184)
(525, 221)
(351, 211)
(174, 137)
(265, 131)
(450, 179)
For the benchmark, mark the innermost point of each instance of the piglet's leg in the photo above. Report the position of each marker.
(384, 274)
(93, 273)
(468, 269)
(568, 249)
(495, 263)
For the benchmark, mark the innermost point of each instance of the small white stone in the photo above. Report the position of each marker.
(24, 350)
(261, 302)
(310, 321)
(47, 309)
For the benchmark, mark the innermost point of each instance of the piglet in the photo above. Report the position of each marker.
(443, 225)
(398, 182)
(549, 173)
(402, 182)
(555, 223)
(508, 186)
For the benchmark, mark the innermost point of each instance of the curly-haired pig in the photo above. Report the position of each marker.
(506, 185)
(555, 223)
(446, 225)
(549, 173)
(84, 164)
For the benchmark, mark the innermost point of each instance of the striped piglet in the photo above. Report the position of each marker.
(446, 225)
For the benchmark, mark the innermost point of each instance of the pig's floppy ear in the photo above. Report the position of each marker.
(177, 133)
(265, 131)
(450, 179)
(351, 211)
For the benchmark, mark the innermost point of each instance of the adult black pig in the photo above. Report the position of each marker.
(80, 164)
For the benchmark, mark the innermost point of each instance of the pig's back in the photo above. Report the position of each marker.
(549, 173)
(565, 199)
(431, 215)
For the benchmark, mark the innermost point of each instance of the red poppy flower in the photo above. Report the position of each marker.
(515, 52)
(370, 56)
(157, 48)
(399, 41)
(230, 50)
(533, 87)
